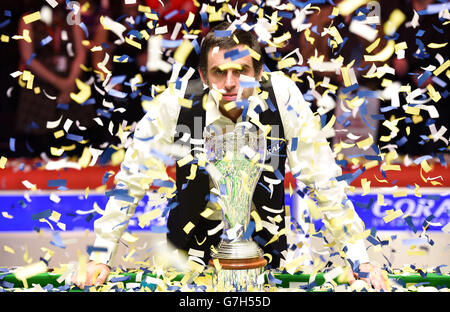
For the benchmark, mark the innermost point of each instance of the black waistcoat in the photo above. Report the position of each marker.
(193, 195)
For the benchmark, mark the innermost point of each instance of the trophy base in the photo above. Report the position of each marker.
(241, 249)
(236, 275)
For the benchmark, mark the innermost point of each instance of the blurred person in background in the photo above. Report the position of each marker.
(54, 55)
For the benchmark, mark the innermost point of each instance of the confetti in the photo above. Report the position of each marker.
(30, 18)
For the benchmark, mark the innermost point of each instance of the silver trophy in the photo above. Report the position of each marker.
(234, 165)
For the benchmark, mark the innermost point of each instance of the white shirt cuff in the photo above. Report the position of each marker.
(357, 252)
(103, 256)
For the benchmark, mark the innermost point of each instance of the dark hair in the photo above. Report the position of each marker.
(211, 40)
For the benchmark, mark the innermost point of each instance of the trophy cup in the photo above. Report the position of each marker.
(234, 165)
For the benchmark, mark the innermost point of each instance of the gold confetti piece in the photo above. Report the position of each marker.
(441, 68)
(217, 264)
(188, 227)
(3, 161)
(117, 157)
(400, 46)
(372, 47)
(8, 249)
(144, 9)
(254, 54)
(206, 213)
(366, 143)
(288, 62)
(348, 6)
(58, 134)
(434, 95)
(85, 158)
(133, 43)
(345, 76)
(56, 151)
(30, 18)
(29, 78)
(193, 172)
(190, 19)
(425, 166)
(399, 194)
(437, 45)
(128, 237)
(383, 55)
(31, 270)
(185, 160)
(396, 18)
(183, 51)
(380, 199)
(282, 38)
(418, 252)
(392, 214)
(4, 38)
(46, 221)
(230, 65)
(257, 219)
(185, 102)
(61, 225)
(83, 94)
(144, 220)
(365, 186)
(229, 106)
(336, 35)
(308, 36)
(55, 216)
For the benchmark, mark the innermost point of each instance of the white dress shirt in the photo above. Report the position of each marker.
(312, 163)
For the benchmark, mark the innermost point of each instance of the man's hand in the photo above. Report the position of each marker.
(96, 274)
(375, 278)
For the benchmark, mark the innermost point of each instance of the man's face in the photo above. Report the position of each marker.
(225, 74)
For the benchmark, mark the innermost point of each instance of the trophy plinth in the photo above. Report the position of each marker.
(234, 165)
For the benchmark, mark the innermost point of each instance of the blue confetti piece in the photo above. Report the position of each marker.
(46, 41)
(439, 82)
(74, 137)
(204, 17)
(12, 144)
(171, 14)
(116, 93)
(170, 43)
(85, 29)
(250, 229)
(246, 8)
(56, 240)
(159, 229)
(162, 183)
(294, 144)
(420, 33)
(196, 46)
(239, 55)
(120, 194)
(63, 106)
(422, 78)
(106, 177)
(41, 215)
(90, 249)
(56, 182)
(5, 23)
(401, 141)
(249, 84)
(377, 117)
(120, 279)
(223, 33)
(273, 279)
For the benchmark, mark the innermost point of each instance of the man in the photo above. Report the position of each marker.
(228, 62)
